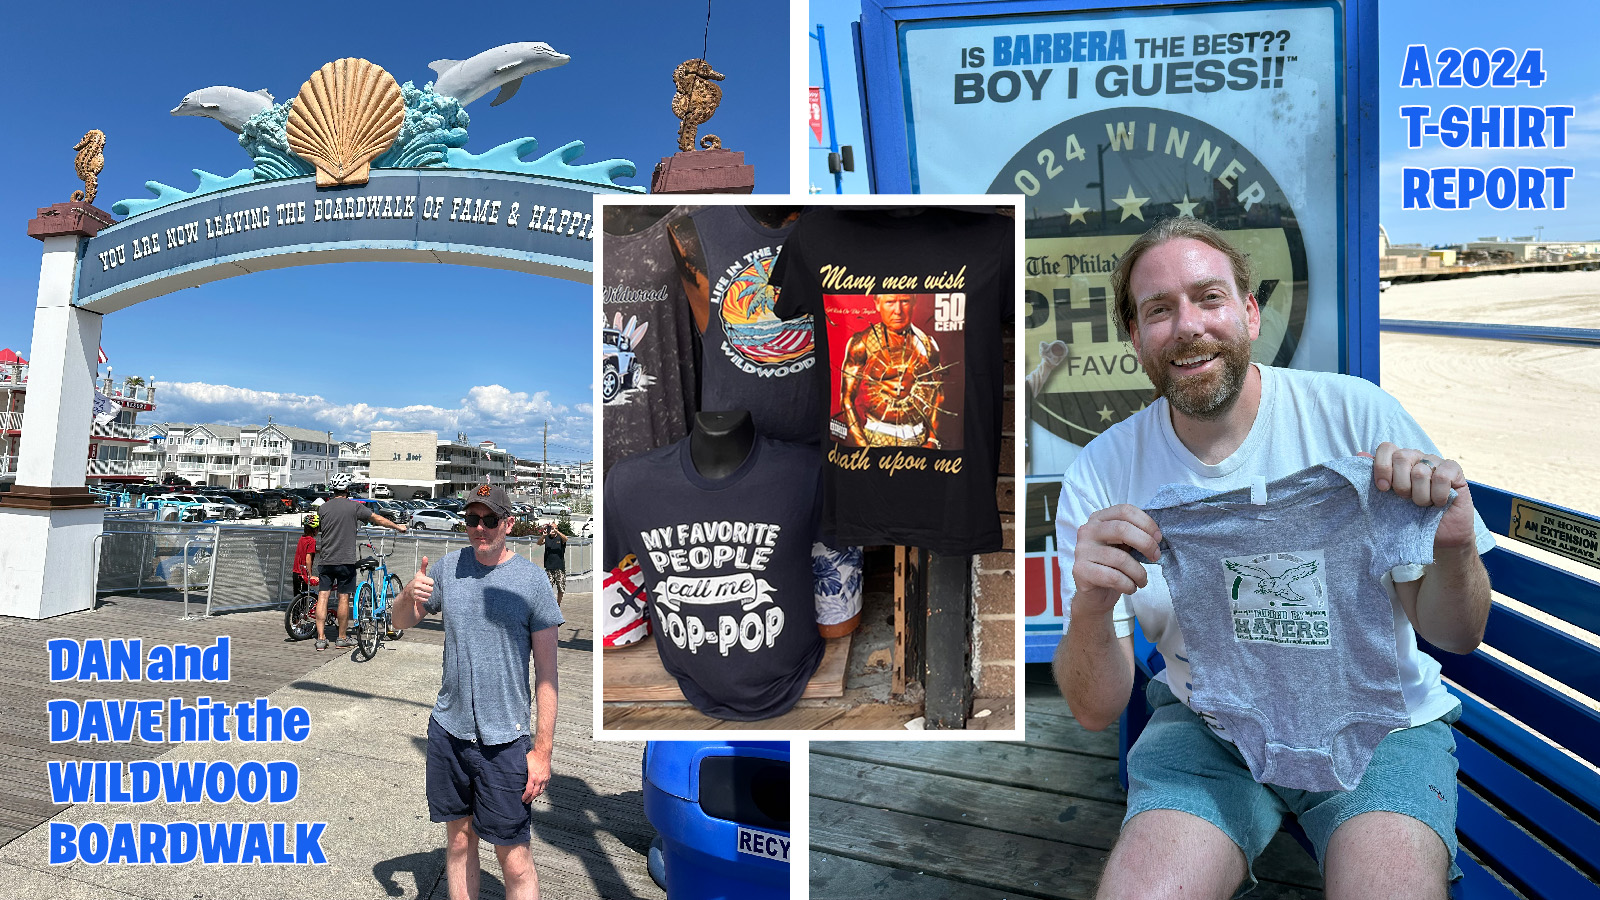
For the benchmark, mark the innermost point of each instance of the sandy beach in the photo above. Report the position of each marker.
(1517, 416)
(1523, 417)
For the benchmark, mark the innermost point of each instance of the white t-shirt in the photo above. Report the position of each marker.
(1305, 418)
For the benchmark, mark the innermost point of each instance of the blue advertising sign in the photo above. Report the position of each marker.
(522, 222)
(1244, 114)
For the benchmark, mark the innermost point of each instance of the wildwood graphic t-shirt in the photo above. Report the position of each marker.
(727, 565)
(753, 360)
(647, 343)
(912, 305)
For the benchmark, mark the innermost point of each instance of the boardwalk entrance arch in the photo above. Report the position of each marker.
(425, 199)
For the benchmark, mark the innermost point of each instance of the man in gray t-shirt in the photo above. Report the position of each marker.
(486, 762)
(338, 521)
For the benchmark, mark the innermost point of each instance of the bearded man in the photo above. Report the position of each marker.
(1196, 818)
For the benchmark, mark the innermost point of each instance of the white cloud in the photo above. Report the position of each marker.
(512, 419)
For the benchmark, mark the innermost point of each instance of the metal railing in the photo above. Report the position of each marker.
(1529, 334)
(114, 429)
(238, 567)
(110, 467)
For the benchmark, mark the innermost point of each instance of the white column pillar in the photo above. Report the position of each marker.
(60, 410)
(48, 522)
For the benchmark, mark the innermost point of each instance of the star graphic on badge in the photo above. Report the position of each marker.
(1131, 205)
(1076, 211)
(1105, 413)
(1186, 208)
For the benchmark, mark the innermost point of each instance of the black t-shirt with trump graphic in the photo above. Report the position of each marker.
(727, 566)
(912, 306)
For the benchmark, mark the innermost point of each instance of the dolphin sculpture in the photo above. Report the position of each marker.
(228, 105)
(502, 67)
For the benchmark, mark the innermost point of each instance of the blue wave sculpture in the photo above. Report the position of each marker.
(431, 137)
(433, 126)
(265, 136)
(508, 157)
(165, 194)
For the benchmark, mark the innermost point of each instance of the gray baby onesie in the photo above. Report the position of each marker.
(1289, 629)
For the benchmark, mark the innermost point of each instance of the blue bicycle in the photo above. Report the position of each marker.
(378, 588)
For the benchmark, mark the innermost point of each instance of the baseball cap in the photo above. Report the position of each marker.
(492, 496)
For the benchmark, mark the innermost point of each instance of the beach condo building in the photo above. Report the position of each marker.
(238, 456)
(420, 464)
(109, 458)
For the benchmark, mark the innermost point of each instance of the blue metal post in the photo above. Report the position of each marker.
(827, 102)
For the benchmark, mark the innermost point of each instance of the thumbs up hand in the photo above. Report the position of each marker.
(421, 587)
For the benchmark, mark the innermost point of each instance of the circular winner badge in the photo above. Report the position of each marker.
(1093, 184)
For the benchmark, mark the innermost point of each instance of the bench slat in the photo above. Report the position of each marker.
(1517, 857)
(1558, 592)
(1516, 742)
(1562, 719)
(1478, 884)
(1551, 818)
(1561, 656)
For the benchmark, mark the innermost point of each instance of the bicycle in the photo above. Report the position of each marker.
(373, 595)
(300, 618)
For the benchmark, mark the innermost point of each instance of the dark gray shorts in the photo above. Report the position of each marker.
(1179, 763)
(466, 778)
(337, 579)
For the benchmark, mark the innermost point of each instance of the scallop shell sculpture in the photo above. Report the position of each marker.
(346, 114)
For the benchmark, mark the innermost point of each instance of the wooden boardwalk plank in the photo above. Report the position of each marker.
(1017, 765)
(843, 878)
(914, 820)
(956, 798)
(961, 853)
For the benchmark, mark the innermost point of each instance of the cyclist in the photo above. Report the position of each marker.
(337, 522)
(304, 550)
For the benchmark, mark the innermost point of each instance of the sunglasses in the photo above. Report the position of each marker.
(489, 521)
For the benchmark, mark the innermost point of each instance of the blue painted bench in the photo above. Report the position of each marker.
(1529, 812)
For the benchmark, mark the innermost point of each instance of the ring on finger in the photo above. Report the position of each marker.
(1428, 462)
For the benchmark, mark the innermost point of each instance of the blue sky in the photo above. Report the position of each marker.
(1574, 79)
(835, 16)
(358, 346)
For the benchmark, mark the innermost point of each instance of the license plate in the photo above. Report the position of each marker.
(760, 843)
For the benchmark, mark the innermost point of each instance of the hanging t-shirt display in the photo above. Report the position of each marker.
(726, 564)
(647, 380)
(914, 303)
(752, 359)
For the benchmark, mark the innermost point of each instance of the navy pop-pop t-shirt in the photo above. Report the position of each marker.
(727, 565)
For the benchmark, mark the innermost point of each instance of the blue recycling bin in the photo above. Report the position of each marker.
(722, 810)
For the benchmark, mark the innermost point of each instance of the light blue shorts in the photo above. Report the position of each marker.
(1179, 763)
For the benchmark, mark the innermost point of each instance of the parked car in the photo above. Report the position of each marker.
(555, 509)
(230, 508)
(393, 510)
(437, 520)
(382, 492)
(250, 500)
(211, 509)
(284, 499)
